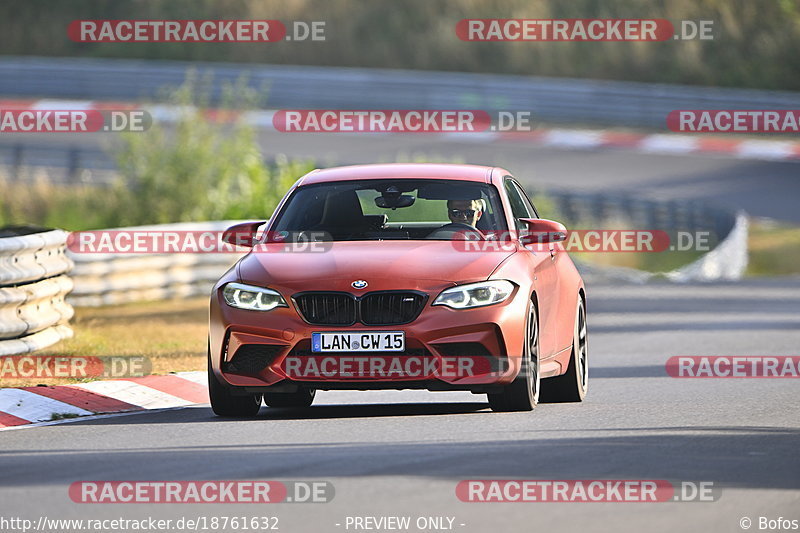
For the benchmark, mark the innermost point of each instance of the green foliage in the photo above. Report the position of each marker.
(773, 249)
(546, 207)
(202, 170)
(72, 207)
(196, 169)
(62, 416)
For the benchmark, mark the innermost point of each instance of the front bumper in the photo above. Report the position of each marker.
(446, 349)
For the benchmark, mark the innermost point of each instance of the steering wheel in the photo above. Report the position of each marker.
(448, 231)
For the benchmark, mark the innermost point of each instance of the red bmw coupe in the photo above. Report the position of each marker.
(399, 276)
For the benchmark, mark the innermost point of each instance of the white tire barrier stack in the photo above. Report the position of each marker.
(115, 278)
(33, 287)
(726, 262)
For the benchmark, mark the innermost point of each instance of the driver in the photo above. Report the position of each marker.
(465, 211)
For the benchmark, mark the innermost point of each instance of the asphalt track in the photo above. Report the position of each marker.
(762, 188)
(402, 452)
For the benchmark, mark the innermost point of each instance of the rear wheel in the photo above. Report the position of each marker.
(523, 393)
(223, 403)
(573, 384)
(302, 398)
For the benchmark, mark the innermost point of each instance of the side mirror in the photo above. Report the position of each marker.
(542, 231)
(242, 234)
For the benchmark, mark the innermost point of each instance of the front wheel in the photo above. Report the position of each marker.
(573, 384)
(523, 393)
(223, 403)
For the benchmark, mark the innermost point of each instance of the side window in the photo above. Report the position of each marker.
(518, 206)
(527, 201)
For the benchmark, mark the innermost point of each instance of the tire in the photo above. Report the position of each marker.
(223, 403)
(573, 384)
(522, 394)
(302, 398)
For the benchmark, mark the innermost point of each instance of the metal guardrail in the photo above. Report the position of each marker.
(33, 287)
(689, 215)
(551, 100)
(728, 232)
(725, 262)
(555, 100)
(66, 164)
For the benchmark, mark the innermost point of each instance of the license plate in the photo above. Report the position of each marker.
(359, 341)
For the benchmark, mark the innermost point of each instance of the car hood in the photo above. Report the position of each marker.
(383, 265)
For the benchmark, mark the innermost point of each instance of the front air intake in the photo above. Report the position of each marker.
(252, 358)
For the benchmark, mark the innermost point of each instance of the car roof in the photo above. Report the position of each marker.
(478, 173)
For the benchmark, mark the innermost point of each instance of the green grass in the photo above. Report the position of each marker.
(647, 261)
(171, 334)
(774, 249)
(62, 416)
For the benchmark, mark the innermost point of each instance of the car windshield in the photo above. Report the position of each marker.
(411, 209)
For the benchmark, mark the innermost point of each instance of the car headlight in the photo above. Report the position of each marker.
(252, 298)
(475, 294)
